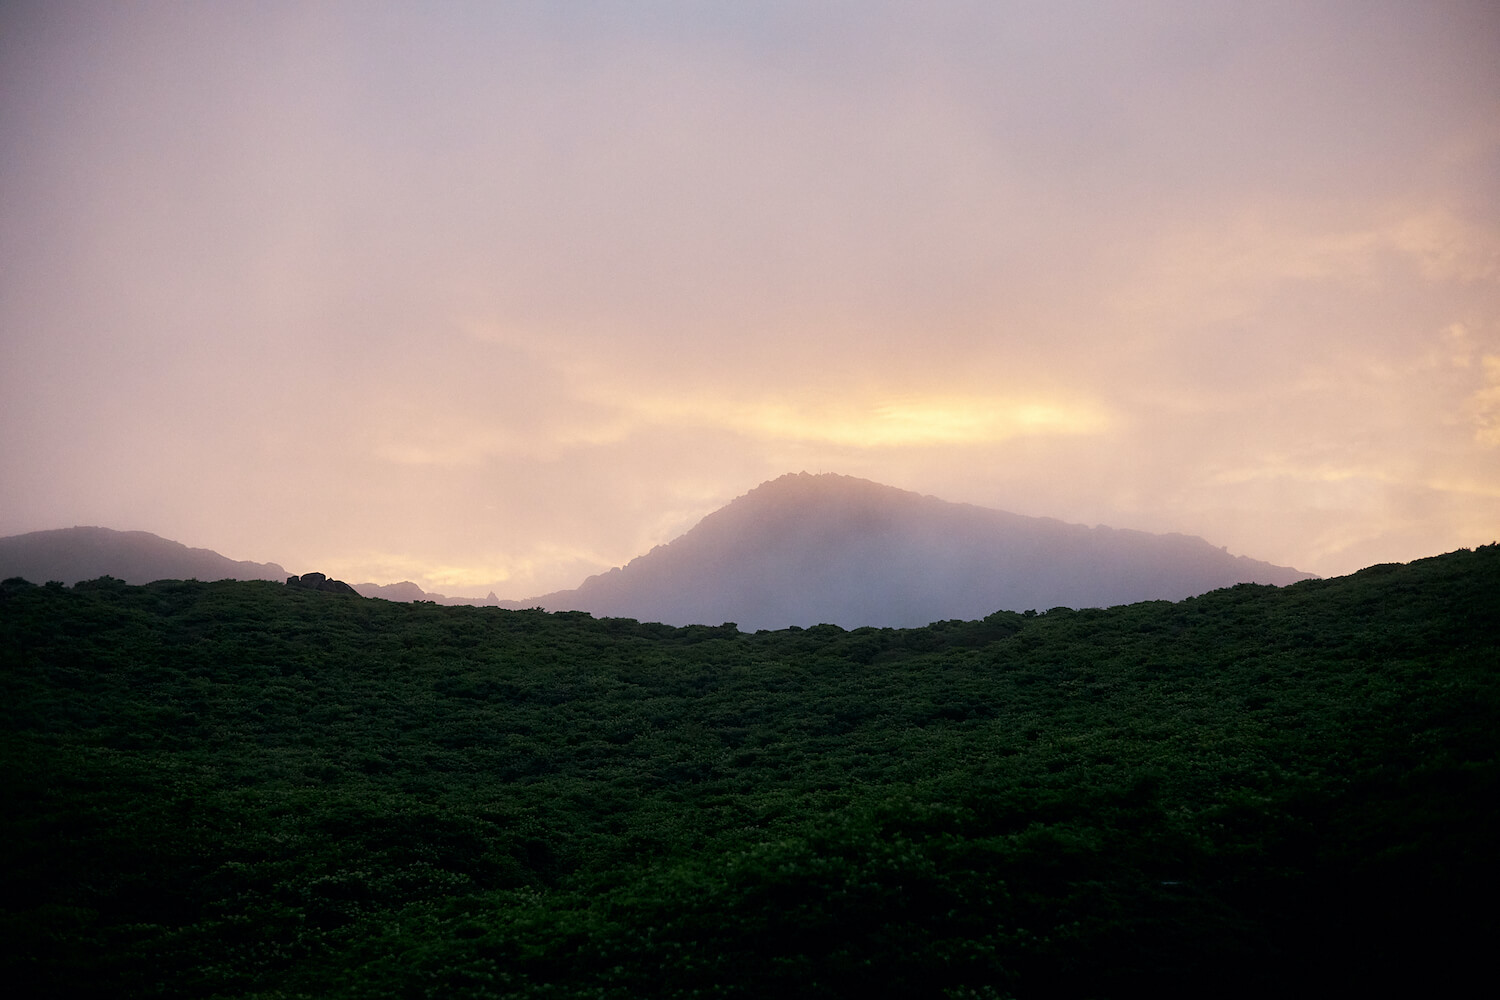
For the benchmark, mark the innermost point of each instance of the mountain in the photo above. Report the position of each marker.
(74, 554)
(799, 550)
(804, 550)
(408, 592)
(403, 591)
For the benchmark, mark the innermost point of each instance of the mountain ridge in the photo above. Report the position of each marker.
(797, 550)
(861, 553)
(71, 555)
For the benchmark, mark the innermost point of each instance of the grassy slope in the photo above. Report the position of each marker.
(238, 789)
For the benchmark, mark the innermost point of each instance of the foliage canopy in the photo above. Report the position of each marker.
(243, 789)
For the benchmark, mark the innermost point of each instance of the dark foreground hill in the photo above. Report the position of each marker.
(251, 790)
(803, 549)
(69, 555)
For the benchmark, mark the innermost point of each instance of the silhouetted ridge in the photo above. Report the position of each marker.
(70, 555)
(805, 549)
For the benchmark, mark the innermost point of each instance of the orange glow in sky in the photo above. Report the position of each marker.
(496, 296)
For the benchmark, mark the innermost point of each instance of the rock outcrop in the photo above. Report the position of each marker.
(317, 581)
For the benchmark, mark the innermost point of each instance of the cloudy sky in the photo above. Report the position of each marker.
(492, 296)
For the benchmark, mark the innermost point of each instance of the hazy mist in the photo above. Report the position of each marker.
(805, 550)
(494, 297)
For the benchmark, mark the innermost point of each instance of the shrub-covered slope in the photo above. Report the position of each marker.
(243, 789)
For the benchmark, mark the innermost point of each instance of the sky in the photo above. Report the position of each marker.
(494, 296)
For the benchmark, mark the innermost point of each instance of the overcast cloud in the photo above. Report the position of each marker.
(494, 296)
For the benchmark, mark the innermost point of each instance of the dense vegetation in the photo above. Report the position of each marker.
(249, 790)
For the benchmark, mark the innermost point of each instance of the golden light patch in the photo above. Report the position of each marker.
(527, 571)
(387, 567)
(467, 576)
(901, 422)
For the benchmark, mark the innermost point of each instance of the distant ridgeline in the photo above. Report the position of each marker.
(800, 550)
(240, 789)
(70, 555)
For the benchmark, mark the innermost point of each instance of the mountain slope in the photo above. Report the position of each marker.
(74, 554)
(406, 591)
(803, 550)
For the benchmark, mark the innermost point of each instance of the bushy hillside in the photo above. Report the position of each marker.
(248, 790)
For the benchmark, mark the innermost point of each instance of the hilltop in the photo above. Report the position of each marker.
(807, 549)
(71, 555)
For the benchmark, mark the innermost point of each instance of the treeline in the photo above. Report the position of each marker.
(249, 790)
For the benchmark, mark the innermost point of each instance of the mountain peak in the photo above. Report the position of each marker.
(826, 485)
(805, 549)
